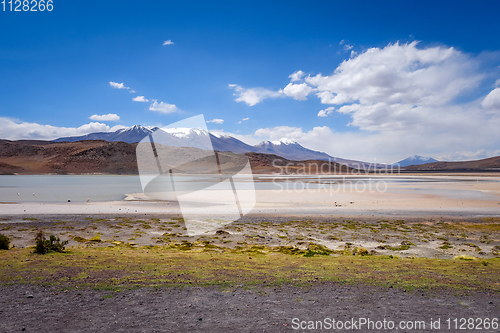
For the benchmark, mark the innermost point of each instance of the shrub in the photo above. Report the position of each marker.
(44, 245)
(361, 251)
(464, 257)
(4, 242)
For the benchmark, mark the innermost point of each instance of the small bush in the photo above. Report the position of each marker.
(4, 242)
(361, 251)
(446, 245)
(317, 249)
(464, 257)
(43, 245)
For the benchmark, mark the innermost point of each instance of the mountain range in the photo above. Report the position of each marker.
(189, 137)
(285, 148)
(114, 158)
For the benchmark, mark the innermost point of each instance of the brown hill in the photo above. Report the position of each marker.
(43, 157)
(487, 164)
(269, 163)
(103, 157)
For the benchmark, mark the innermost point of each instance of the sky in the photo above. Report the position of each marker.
(365, 80)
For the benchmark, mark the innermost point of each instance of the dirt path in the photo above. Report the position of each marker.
(265, 309)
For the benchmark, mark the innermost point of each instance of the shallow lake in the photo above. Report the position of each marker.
(79, 188)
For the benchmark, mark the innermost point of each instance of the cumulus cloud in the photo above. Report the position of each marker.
(492, 100)
(296, 76)
(326, 112)
(252, 96)
(140, 99)
(297, 91)
(402, 99)
(105, 117)
(13, 129)
(399, 74)
(118, 85)
(385, 147)
(242, 120)
(216, 121)
(168, 42)
(163, 107)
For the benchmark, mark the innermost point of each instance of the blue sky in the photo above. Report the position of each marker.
(394, 79)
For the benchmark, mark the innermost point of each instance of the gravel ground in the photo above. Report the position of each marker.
(264, 309)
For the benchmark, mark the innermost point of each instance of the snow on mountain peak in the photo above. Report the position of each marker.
(220, 135)
(184, 132)
(284, 141)
(419, 158)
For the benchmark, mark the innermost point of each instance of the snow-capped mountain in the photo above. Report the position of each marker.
(228, 143)
(291, 150)
(128, 135)
(186, 137)
(415, 160)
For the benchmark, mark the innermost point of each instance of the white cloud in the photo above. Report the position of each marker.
(242, 120)
(399, 74)
(390, 147)
(492, 100)
(326, 112)
(297, 91)
(131, 91)
(105, 117)
(402, 87)
(13, 129)
(252, 96)
(163, 107)
(118, 85)
(347, 47)
(216, 121)
(467, 155)
(168, 42)
(402, 100)
(140, 99)
(296, 76)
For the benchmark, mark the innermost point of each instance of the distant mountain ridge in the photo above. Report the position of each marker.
(129, 135)
(291, 150)
(178, 136)
(415, 160)
(284, 147)
(104, 157)
(484, 165)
